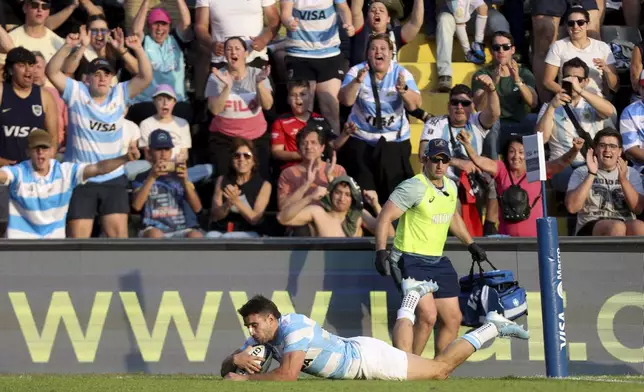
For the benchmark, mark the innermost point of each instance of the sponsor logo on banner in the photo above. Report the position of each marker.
(561, 319)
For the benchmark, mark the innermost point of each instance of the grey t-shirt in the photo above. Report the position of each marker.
(606, 197)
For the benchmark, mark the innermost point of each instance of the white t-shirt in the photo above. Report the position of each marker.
(234, 18)
(564, 131)
(178, 128)
(48, 45)
(131, 132)
(563, 50)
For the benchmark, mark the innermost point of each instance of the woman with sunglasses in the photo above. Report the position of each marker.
(595, 53)
(511, 171)
(97, 41)
(241, 195)
(236, 96)
(380, 92)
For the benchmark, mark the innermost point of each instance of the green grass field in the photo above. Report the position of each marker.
(135, 383)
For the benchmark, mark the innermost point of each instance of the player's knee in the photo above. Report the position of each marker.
(544, 36)
(425, 318)
(452, 320)
(617, 229)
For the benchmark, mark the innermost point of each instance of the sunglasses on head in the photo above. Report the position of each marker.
(579, 22)
(498, 47)
(239, 155)
(439, 158)
(463, 102)
(43, 6)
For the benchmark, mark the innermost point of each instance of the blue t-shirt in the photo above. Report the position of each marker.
(166, 208)
(327, 355)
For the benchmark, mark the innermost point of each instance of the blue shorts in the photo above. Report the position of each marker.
(436, 268)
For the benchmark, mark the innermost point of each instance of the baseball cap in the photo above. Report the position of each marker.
(164, 89)
(39, 138)
(642, 78)
(160, 139)
(100, 64)
(159, 15)
(437, 147)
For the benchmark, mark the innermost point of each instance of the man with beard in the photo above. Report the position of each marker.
(378, 21)
(515, 86)
(96, 132)
(426, 207)
(606, 194)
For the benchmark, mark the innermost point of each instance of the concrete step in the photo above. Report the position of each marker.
(423, 50)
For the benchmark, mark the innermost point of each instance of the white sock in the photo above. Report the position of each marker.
(408, 306)
(479, 28)
(461, 34)
(481, 335)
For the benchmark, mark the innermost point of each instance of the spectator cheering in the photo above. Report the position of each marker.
(515, 86)
(165, 51)
(301, 179)
(631, 126)
(25, 107)
(591, 111)
(164, 194)
(40, 188)
(517, 215)
(606, 194)
(379, 91)
(241, 196)
(378, 21)
(96, 118)
(336, 211)
(313, 50)
(596, 54)
(96, 42)
(236, 97)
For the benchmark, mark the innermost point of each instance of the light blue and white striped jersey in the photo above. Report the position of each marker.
(38, 205)
(95, 131)
(395, 126)
(317, 32)
(631, 126)
(327, 355)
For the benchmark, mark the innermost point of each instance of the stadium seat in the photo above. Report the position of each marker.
(426, 75)
(420, 50)
(624, 33)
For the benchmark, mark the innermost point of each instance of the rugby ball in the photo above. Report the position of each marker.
(259, 351)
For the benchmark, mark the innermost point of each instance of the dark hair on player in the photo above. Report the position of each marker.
(306, 131)
(578, 9)
(503, 34)
(460, 89)
(298, 84)
(575, 62)
(608, 132)
(259, 305)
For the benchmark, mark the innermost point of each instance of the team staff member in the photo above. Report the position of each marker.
(426, 206)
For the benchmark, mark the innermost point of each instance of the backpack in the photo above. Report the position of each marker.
(515, 202)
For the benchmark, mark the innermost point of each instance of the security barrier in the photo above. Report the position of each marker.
(169, 306)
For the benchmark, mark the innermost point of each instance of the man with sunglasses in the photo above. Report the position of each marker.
(34, 35)
(591, 111)
(515, 86)
(426, 207)
(606, 194)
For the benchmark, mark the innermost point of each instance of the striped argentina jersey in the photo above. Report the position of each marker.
(631, 126)
(395, 126)
(38, 205)
(95, 131)
(327, 355)
(317, 31)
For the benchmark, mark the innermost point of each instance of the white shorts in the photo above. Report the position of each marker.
(380, 361)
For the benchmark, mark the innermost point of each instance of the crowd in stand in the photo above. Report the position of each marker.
(196, 119)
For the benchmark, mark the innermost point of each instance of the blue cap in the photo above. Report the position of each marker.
(160, 139)
(437, 147)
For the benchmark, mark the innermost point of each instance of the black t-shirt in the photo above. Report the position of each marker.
(235, 221)
(360, 40)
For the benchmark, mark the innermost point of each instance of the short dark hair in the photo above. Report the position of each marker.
(259, 305)
(93, 18)
(304, 132)
(503, 34)
(575, 62)
(18, 55)
(298, 84)
(461, 89)
(578, 9)
(240, 39)
(608, 132)
(513, 138)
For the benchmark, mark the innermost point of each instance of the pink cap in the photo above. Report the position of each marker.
(159, 15)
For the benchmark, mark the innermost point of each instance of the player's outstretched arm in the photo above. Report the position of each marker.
(290, 367)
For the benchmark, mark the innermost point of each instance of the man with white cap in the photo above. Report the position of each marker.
(631, 126)
(40, 188)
